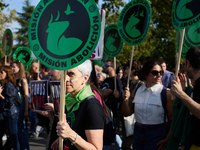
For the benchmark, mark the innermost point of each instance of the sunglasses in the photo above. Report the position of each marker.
(155, 72)
(106, 65)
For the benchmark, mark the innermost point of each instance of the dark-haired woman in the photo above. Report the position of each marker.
(22, 85)
(152, 103)
(9, 109)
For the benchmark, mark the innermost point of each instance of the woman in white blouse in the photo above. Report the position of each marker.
(150, 132)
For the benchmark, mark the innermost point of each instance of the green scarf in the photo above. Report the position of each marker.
(82, 94)
(180, 126)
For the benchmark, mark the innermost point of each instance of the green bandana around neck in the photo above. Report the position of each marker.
(82, 94)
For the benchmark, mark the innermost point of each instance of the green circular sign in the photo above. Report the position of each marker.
(7, 42)
(113, 44)
(192, 35)
(63, 34)
(23, 54)
(185, 13)
(134, 21)
(186, 45)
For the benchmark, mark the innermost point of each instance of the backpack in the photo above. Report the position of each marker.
(109, 130)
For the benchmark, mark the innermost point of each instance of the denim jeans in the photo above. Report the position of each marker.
(118, 144)
(118, 140)
(10, 123)
(22, 132)
(33, 120)
(106, 147)
(147, 137)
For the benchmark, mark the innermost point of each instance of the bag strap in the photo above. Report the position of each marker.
(137, 87)
(164, 103)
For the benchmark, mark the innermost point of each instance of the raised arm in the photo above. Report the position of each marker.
(177, 91)
(127, 106)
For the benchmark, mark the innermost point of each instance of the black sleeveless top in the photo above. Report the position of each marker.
(20, 88)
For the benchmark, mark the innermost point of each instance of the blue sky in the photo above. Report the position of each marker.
(17, 5)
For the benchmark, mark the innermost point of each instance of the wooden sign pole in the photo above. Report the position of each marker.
(115, 72)
(62, 102)
(129, 73)
(180, 51)
(5, 60)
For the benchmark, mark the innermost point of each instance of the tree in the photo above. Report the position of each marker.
(3, 5)
(163, 32)
(6, 17)
(23, 20)
(160, 40)
(112, 6)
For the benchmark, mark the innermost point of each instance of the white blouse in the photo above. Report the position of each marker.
(148, 105)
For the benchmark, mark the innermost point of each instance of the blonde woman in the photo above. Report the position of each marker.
(22, 86)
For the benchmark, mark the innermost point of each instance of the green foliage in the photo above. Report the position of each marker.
(160, 40)
(112, 7)
(23, 20)
(163, 32)
(3, 5)
(6, 17)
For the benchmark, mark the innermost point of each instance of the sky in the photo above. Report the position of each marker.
(17, 5)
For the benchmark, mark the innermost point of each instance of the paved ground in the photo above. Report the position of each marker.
(37, 143)
(40, 142)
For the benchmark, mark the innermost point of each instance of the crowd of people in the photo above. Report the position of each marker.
(164, 111)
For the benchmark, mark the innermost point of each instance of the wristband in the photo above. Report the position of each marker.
(74, 142)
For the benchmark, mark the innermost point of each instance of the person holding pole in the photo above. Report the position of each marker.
(192, 67)
(151, 104)
(55, 76)
(84, 125)
(112, 96)
(134, 83)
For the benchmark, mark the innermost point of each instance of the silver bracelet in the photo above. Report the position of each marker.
(74, 142)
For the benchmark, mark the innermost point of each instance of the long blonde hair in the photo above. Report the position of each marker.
(22, 75)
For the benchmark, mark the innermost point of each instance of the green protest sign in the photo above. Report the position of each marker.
(192, 35)
(186, 45)
(185, 13)
(134, 21)
(101, 62)
(7, 42)
(113, 44)
(23, 54)
(63, 34)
